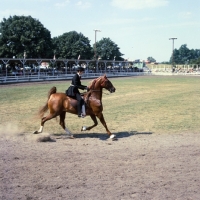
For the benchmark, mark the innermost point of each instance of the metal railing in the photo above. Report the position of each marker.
(16, 70)
(46, 77)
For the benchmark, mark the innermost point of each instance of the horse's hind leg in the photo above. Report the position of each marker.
(43, 120)
(62, 123)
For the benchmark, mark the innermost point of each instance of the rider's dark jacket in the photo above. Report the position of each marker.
(75, 85)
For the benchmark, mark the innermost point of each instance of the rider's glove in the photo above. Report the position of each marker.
(87, 88)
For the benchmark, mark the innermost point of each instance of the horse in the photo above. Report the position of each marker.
(59, 103)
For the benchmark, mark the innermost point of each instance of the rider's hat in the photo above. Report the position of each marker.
(80, 69)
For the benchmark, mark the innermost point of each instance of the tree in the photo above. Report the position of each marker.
(195, 61)
(106, 49)
(71, 45)
(21, 33)
(196, 56)
(184, 55)
(151, 59)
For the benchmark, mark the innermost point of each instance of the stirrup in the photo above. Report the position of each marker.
(82, 115)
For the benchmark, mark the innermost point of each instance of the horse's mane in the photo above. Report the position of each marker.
(92, 83)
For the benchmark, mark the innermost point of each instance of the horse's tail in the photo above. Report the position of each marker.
(45, 107)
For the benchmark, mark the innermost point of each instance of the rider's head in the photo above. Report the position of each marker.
(80, 70)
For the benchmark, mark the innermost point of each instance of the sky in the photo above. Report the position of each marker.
(140, 28)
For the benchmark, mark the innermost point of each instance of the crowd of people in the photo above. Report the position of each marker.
(178, 69)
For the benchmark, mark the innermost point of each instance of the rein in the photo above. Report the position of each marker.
(99, 91)
(95, 90)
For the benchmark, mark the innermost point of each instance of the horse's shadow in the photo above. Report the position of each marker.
(131, 133)
(105, 136)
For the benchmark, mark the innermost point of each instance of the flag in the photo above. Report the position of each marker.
(79, 57)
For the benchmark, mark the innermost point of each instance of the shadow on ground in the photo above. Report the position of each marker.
(103, 136)
(131, 133)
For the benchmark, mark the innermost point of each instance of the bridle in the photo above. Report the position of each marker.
(93, 83)
(93, 90)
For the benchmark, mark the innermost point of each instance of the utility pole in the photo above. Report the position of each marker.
(95, 48)
(172, 52)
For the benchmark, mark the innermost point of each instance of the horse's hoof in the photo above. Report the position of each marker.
(35, 132)
(84, 128)
(112, 136)
(70, 137)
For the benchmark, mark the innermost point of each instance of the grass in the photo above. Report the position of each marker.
(155, 104)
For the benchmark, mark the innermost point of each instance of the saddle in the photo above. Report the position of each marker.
(85, 96)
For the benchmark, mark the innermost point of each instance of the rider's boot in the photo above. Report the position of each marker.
(83, 114)
(83, 110)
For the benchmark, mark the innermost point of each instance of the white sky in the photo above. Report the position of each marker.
(141, 28)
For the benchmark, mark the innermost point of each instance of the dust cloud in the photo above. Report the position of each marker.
(10, 130)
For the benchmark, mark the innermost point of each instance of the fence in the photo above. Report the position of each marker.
(39, 77)
(28, 70)
(110, 68)
(179, 69)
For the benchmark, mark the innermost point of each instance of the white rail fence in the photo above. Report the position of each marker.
(39, 77)
(154, 70)
(192, 69)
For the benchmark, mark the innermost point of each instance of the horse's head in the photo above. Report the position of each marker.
(102, 82)
(105, 83)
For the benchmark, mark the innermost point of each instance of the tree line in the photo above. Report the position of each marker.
(184, 55)
(24, 36)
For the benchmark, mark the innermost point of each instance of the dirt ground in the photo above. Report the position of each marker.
(139, 166)
(136, 166)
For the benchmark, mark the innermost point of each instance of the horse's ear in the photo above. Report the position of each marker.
(104, 76)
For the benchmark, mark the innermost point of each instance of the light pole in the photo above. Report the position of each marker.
(172, 52)
(95, 48)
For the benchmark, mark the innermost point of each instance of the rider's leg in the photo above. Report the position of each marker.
(83, 108)
(79, 104)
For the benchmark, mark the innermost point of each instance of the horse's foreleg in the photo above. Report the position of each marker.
(94, 119)
(102, 120)
(62, 123)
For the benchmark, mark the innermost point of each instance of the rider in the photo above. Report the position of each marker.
(74, 92)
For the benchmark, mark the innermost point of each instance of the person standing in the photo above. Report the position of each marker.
(73, 91)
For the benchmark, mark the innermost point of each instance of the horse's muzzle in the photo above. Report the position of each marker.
(112, 90)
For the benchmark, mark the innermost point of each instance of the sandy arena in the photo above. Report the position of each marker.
(136, 166)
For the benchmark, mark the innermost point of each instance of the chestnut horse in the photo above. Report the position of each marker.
(59, 104)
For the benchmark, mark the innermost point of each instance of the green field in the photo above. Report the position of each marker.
(154, 104)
